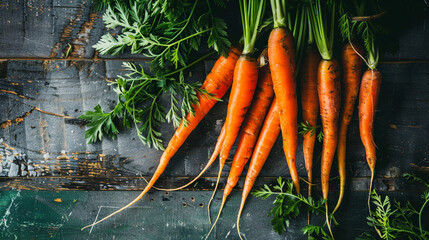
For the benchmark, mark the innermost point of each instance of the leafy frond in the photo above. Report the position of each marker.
(166, 31)
(288, 206)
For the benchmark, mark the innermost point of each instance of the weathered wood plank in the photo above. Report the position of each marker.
(177, 215)
(45, 28)
(109, 180)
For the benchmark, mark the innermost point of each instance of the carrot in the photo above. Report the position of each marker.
(267, 137)
(243, 88)
(245, 79)
(282, 64)
(245, 74)
(310, 107)
(368, 99)
(251, 127)
(217, 83)
(352, 70)
(250, 130)
(328, 87)
(281, 55)
(322, 21)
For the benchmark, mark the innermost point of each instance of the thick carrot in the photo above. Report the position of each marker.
(368, 99)
(328, 87)
(310, 106)
(217, 83)
(250, 131)
(267, 137)
(350, 81)
(281, 55)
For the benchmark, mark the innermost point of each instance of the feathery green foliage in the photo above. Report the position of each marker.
(288, 206)
(166, 31)
(138, 105)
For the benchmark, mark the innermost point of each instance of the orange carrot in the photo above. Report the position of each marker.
(267, 137)
(263, 96)
(243, 88)
(352, 70)
(251, 127)
(216, 83)
(368, 99)
(250, 131)
(281, 55)
(245, 79)
(310, 107)
(328, 87)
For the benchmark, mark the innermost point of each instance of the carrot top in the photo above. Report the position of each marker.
(278, 8)
(252, 12)
(323, 27)
(358, 21)
(298, 24)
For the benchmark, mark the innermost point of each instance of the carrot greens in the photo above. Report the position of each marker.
(288, 206)
(397, 220)
(323, 22)
(169, 32)
(166, 31)
(138, 105)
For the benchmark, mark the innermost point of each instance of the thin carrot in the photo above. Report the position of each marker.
(281, 54)
(267, 137)
(328, 87)
(245, 79)
(322, 19)
(350, 81)
(243, 88)
(368, 99)
(216, 83)
(245, 74)
(310, 107)
(251, 127)
(250, 130)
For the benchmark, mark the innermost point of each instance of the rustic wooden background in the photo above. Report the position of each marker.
(50, 178)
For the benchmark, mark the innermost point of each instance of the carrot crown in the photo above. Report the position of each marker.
(323, 27)
(252, 12)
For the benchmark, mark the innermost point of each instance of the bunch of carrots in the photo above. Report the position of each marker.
(264, 100)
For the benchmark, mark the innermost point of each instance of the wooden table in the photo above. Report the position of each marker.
(52, 183)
